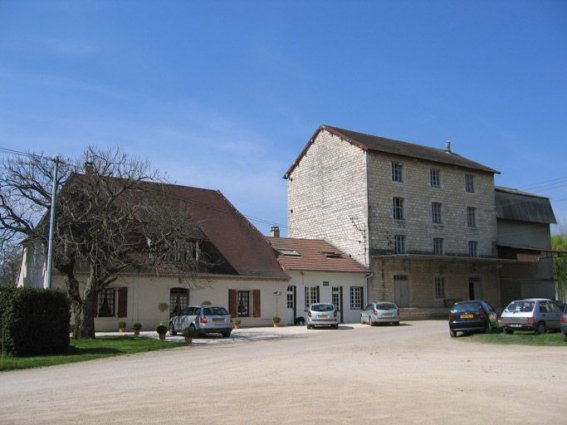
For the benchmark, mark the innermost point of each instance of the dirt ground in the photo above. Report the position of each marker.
(411, 374)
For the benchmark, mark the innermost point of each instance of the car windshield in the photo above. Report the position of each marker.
(521, 306)
(466, 307)
(386, 306)
(322, 307)
(214, 311)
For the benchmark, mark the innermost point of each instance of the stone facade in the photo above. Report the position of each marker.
(327, 196)
(344, 193)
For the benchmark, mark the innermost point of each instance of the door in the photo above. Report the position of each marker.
(337, 297)
(475, 289)
(401, 291)
(291, 312)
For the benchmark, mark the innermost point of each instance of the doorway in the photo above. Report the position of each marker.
(337, 299)
(401, 291)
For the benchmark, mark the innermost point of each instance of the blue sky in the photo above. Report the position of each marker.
(225, 94)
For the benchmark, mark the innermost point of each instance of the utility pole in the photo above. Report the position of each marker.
(47, 280)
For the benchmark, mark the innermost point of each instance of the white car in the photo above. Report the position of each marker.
(536, 314)
(380, 312)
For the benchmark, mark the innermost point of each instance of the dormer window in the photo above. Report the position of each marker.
(289, 253)
(332, 254)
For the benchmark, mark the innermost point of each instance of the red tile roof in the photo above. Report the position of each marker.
(313, 255)
(239, 242)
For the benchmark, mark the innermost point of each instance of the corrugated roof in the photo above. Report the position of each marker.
(395, 147)
(239, 242)
(314, 255)
(512, 204)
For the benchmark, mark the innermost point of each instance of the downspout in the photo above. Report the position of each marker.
(367, 299)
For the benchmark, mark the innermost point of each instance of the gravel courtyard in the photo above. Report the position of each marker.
(411, 374)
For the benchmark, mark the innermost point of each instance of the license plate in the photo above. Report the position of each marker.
(388, 314)
(218, 320)
(516, 325)
(322, 316)
(467, 316)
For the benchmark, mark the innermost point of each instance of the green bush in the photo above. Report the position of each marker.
(161, 329)
(189, 332)
(34, 321)
(121, 324)
(206, 303)
(137, 326)
(276, 319)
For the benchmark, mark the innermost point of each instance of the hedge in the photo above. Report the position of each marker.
(34, 321)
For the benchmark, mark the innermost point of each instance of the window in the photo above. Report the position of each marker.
(439, 287)
(399, 244)
(183, 251)
(106, 302)
(311, 295)
(437, 246)
(243, 303)
(356, 297)
(473, 249)
(397, 172)
(434, 177)
(289, 253)
(398, 208)
(469, 183)
(178, 300)
(471, 216)
(436, 213)
(291, 297)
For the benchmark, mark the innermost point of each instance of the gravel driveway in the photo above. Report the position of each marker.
(411, 374)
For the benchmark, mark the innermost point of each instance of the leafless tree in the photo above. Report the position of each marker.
(10, 258)
(111, 219)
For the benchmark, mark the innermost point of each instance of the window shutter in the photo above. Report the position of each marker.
(256, 301)
(122, 302)
(317, 300)
(362, 303)
(232, 303)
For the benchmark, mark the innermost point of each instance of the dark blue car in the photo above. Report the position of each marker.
(471, 316)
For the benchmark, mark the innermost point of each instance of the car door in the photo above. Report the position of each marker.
(554, 316)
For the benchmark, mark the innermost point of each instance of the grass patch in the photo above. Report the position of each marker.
(88, 349)
(520, 338)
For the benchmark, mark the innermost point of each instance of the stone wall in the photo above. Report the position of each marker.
(418, 196)
(327, 196)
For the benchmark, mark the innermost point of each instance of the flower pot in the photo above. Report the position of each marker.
(136, 332)
(122, 330)
(161, 336)
(188, 340)
(276, 325)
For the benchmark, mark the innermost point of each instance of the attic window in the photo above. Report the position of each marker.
(330, 254)
(289, 253)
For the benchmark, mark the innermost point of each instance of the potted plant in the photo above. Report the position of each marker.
(72, 330)
(161, 330)
(206, 303)
(276, 320)
(136, 327)
(121, 325)
(237, 321)
(189, 333)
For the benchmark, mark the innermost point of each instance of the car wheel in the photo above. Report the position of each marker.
(300, 321)
(309, 327)
(488, 328)
(335, 326)
(565, 337)
(508, 331)
(172, 331)
(361, 320)
(370, 322)
(452, 333)
(540, 328)
(226, 334)
(396, 323)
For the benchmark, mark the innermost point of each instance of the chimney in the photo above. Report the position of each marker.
(448, 146)
(89, 168)
(275, 232)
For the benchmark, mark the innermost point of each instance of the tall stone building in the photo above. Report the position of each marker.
(422, 219)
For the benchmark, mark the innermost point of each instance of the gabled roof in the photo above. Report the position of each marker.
(239, 242)
(371, 143)
(313, 255)
(512, 204)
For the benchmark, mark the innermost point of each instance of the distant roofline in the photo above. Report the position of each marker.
(339, 133)
(513, 191)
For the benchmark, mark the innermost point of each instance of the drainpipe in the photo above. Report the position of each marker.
(368, 276)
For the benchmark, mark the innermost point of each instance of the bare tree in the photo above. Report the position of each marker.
(10, 258)
(110, 220)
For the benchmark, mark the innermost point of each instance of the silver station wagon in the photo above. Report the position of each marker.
(205, 319)
(322, 314)
(536, 314)
(380, 312)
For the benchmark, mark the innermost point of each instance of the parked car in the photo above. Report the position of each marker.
(322, 314)
(563, 323)
(536, 314)
(380, 312)
(205, 319)
(471, 316)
